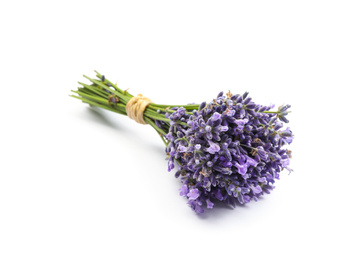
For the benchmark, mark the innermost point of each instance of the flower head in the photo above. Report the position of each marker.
(229, 150)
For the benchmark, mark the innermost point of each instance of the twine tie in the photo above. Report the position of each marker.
(135, 108)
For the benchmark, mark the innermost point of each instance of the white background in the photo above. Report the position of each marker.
(77, 183)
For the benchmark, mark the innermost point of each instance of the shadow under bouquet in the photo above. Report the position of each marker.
(229, 149)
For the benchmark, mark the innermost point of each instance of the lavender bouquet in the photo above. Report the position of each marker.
(229, 150)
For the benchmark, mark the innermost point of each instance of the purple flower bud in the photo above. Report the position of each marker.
(196, 207)
(170, 165)
(184, 190)
(240, 198)
(245, 190)
(262, 180)
(283, 119)
(169, 136)
(177, 174)
(286, 132)
(213, 148)
(256, 189)
(202, 105)
(158, 123)
(209, 136)
(262, 109)
(230, 189)
(247, 100)
(193, 194)
(216, 116)
(209, 204)
(242, 168)
(182, 148)
(284, 108)
(251, 106)
(223, 128)
(248, 128)
(251, 112)
(218, 195)
(230, 112)
(234, 97)
(262, 153)
(288, 140)
(285, 163)
(241, 121)
(278, 125)
(113, 100)
(250, 162)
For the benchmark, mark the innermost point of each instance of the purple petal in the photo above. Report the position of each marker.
(209, 204)
(215, 116)
(193, 194)
(256, 189)
(251, 162)
(184, 190)
(182, 148)
(214, 148)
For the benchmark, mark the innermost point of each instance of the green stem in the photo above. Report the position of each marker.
(94, 89)
(114, 85)
(124, 98)
(99, 105)
(99, 94)
(188, 107)
(270, 112)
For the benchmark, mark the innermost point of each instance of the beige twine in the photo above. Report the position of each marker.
(135, 108)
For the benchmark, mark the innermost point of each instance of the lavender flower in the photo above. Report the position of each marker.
(230, 150)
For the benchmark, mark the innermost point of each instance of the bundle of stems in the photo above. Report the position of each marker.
(107, 95)
(230, 149)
